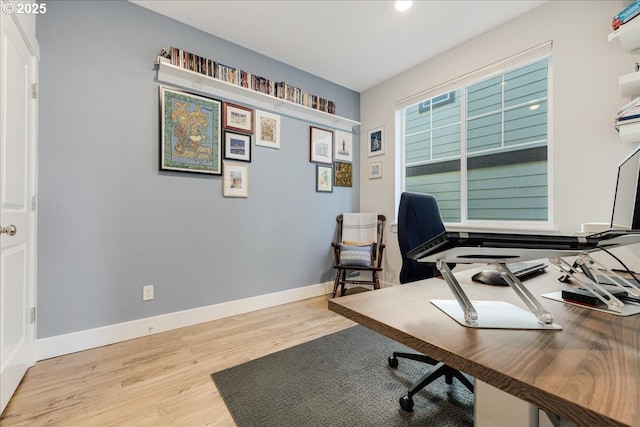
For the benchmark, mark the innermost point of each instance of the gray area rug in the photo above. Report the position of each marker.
(342, 379)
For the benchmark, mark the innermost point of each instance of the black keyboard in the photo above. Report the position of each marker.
(522, 270)
(613, 280)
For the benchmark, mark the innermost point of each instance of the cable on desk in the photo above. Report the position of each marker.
(622, 264)
(629, 299)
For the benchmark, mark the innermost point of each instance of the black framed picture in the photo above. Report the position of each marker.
(237, 146)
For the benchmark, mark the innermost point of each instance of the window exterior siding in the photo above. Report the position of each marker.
(494, 138)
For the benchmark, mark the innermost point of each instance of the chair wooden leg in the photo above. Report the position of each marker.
(336, 282)
(342, 283)
(376, 281)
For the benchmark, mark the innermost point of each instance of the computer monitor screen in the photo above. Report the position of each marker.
(626, 209)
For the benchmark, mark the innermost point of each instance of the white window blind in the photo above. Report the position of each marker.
(521, 58)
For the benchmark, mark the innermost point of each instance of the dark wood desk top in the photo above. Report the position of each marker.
(588, 373)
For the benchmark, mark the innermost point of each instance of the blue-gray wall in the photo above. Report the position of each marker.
(110, 222)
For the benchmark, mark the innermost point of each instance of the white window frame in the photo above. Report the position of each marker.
(529, 56)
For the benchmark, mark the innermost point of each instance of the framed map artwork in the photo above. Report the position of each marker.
(190, 134)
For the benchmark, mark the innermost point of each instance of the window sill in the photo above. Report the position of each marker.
(517, 227)
(540, 229)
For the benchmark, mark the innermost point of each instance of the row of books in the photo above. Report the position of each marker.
(627, 122)
(629, 113)
(626, 15)
(192, 62)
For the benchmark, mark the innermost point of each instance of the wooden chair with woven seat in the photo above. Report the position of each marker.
(358, 247)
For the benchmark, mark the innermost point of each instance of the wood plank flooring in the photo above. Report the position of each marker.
(162, 379)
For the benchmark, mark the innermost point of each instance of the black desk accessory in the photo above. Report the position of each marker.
(586, 297)
(522, 270)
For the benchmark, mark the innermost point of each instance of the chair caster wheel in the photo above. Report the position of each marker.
(393, 361)
(406, 403)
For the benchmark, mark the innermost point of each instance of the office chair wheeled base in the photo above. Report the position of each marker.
(439, 369)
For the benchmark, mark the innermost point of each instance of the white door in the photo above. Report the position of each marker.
(17, 215)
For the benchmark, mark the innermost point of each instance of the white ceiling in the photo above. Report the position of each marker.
(357, 43)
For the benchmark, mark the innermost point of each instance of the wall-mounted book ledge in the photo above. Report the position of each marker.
(217, 88)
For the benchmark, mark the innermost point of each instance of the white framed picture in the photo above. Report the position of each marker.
(235, 180)
(375, 170)
(375, 141)
(343, 146)
(267, 129)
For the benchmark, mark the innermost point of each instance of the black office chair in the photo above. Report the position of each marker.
(418, 221)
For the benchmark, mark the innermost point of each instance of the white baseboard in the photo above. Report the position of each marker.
(83, 340)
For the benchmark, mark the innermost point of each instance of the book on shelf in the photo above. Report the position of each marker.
(629, 111)
(628, 121)
(628, 106)
(192, 62)
(626, 15)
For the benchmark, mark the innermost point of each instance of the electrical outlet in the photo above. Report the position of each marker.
(147, 292)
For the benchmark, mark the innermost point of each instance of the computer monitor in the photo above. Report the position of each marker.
(626, 202)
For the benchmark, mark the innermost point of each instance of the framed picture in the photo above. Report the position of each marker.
(343, 147)
(238, 118)
(375, 170)
(190, 134)
(321, 145)
(267, 129)
(344, 174)
(235, 180)
(375, 141)
(237, 146)
(324, 179)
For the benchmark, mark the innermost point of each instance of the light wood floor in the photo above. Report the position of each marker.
(162, 379)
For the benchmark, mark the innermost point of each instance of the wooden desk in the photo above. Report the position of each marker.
(588, 373)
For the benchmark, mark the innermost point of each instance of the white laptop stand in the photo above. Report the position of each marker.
(494, 314)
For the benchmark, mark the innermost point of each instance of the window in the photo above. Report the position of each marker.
(481, 148)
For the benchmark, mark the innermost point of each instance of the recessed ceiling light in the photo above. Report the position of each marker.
(402, 5)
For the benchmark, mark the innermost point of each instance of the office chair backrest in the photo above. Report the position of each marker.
(418, 221)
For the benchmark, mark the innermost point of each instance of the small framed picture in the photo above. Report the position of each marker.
(321, 145)
(375, 170)
(344, 174)
(375, 141)
(238, 118)
(343, 146)
(235, 180)
(237, 146)
(267, 129)
(324, 179)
